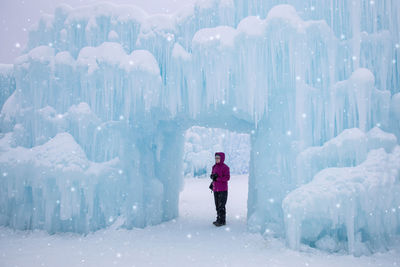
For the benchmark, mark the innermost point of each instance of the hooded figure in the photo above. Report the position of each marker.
(220, 175)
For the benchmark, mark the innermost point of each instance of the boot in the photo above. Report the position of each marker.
(219, 223)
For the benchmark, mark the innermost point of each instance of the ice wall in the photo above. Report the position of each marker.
(395, 115)
(370, 22)
(374, 23)
(347, 196)
(352, 208)
(7, 82)
(55, 187)
(124, 86)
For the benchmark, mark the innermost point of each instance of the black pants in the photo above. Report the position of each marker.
(220, 202)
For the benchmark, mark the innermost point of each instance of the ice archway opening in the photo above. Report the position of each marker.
(169, 163)
(168, 151)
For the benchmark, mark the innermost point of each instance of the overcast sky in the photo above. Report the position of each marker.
(17, 15)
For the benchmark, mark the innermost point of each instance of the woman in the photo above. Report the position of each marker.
(220, 176)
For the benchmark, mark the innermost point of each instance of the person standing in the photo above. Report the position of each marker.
(220, 176)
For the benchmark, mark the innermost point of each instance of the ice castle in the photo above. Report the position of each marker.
(94, 113)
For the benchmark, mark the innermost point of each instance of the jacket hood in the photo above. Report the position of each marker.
(222, 155)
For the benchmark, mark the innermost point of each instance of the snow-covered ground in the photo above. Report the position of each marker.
(190, 240)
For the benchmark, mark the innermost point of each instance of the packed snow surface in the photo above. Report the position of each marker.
(189, 240)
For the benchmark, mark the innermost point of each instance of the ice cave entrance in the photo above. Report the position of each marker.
(200, 144)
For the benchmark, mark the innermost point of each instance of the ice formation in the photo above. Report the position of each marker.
(201, 144)
(7, 82)
(349, 148)
(119, 88)
(353, 198)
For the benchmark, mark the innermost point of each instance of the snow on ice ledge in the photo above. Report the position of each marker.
(46, 79)
(161, 43)
(349, 148)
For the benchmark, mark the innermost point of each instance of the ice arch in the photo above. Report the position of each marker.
(94, 128)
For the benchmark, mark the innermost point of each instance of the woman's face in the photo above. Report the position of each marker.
(217, 159)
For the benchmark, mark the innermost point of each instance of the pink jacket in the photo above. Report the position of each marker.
(221, 184)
